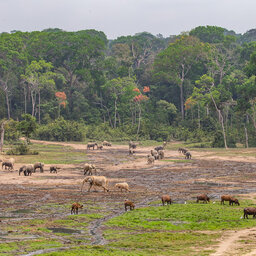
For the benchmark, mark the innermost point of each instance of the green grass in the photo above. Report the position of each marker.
(177, 229)
(14, 248)
(169, 230)
(92, 251)
(53, 154)
(157, 243)
(165, 243)
(184, 217)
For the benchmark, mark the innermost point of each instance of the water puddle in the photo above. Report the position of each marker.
(22, 211)
(65, 230)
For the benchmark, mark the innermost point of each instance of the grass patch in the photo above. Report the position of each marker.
(162, 243)
(53, 154)
(8, 247)
(14, 248)
(184, 217)
(92, 251)
(165, 243)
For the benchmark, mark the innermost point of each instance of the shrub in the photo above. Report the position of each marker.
(200, 145)
(105, 132)
(11, 132)
(62, 130)
(218, 141)
(21, 148)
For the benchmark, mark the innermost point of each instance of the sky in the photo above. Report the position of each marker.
(127, 17)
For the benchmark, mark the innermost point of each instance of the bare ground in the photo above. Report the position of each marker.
(206, 173)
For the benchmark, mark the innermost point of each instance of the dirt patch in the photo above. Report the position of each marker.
(22, 196)
(234, 243)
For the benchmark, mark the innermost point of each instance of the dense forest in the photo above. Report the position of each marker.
(198, 86)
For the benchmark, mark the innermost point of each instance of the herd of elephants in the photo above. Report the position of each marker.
(101, 181)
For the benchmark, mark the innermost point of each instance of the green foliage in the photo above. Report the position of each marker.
(105, 132)
(208, 34)
(21, 148)
(219, 143)
(165, 111)
(99, 76)
(160, 132)
(61, 130)
(11, 132)
(27, 126)
(249, 36)
(251, 66)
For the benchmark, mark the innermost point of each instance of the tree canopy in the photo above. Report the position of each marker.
(142, 85)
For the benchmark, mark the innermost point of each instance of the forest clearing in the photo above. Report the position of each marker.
(141, 141)
(35, 210)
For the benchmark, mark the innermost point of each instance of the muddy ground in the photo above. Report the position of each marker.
(205, 173)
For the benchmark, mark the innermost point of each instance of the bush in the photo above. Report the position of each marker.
(218, 141)
(11, 132)
(160, 134)
(61, 130)
(200, 145)
(21, 149)
(105, 132)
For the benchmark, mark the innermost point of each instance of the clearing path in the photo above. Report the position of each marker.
(232, 244)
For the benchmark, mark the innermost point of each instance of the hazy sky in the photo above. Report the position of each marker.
(127, 17)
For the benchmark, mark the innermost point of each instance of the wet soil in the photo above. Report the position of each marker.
(22, 197)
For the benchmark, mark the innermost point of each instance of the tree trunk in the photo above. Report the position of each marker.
(227, 113)
(221, 122)
(33, 102)
(4, 84)
(119, 119)
(39, 108)
(115, 115)
(25, 100)
(198, 114)
(252, 116)
(181, 100)
(182, 77)
(7, 104)
(246, 137)
(138, 130)
(2, 130)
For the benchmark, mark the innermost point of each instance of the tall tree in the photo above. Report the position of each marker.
(177, 60)
(77, 56)
(38, 75)
(12, 57)
(120, 92)
(207, 91)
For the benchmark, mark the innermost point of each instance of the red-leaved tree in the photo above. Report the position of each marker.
(61, 97)
(139, 99)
